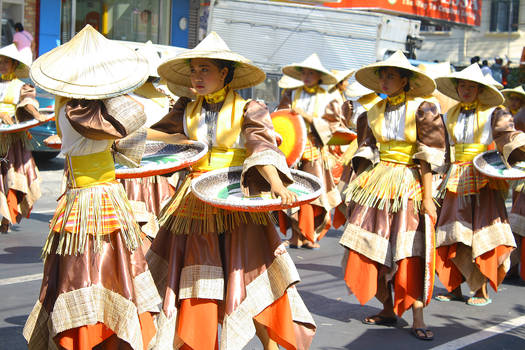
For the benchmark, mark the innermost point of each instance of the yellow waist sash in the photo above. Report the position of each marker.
(219, 158)
(465, 152)
(91, 168)
(397, 152)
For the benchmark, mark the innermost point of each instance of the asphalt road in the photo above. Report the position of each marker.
(500, 325)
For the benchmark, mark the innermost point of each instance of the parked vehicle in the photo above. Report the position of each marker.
(41, 132)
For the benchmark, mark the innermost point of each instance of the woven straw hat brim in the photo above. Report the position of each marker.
(488, 95)
(342, 75)
(24, 60)
(420, 83)
(357, 90)
(517, 90)
(493, 82)
(311, 62)
(176, 71)
(90, 66)
(287, 82)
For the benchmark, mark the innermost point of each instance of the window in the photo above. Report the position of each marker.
(504, 15)
(129, 20)
(430, 27)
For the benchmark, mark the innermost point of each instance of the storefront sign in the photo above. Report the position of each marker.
(457, 11)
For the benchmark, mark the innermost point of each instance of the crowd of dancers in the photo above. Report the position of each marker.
(143, 263)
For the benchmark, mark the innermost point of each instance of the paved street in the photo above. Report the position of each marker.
(338, 315)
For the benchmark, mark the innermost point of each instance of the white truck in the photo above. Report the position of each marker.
(273, 34)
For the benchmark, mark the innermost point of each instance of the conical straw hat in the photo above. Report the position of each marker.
(342, 75)
(420, 83)
(287, 82)
(488, 95)
(357, 90)
(90, 66)
(517, 90)
(176, 70)
(152, 56)
(311, 62)
(24, 60)
(435, 70)
(493, 82)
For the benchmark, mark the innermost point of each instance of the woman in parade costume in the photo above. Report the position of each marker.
(384, 235)
(96, 290)
(147, 195)
(314, 104)
(473, 236)
(214, 265)
(19, 177)
(360, 100)
(515, 101)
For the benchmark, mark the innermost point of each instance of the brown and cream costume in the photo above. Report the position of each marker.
(383, 236)
(313, 219)
(517, 213)
(19, 177)
(96, 285)
(213, 265)
(473, 235)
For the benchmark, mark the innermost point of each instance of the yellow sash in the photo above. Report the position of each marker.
(368, 101)
(482, 116)
(90, 169)
(397, 151)
(7, 105)
(229, 123)
(319, 97)
(466, 152)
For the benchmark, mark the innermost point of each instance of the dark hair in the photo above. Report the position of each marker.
(230, 65)
(485, 63)
(403, 73)
(19, 27)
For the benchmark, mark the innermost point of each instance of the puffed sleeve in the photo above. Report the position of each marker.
(347, 110)
(108, 119)
(431, 136)
(261, 149)
(330, 121)
(509, 141)
(366, 143)
(27, 98)
(173, 122)
(286, 100)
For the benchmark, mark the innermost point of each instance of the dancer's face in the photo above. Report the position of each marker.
(391, 82)
(206, 77)
(310, 77)
(515, 102)
(467, 91)
(7, 65)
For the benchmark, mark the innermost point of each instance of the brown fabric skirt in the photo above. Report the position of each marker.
(235, 270)
(112, 287)
(389, 243)
(384, 247)
(147, 196)
(475, 226)
(19, 182)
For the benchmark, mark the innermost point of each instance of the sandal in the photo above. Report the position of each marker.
(422, 333)
(449, 297)
(379, 320)
(471, 301)
(312, 246)
(287, 244)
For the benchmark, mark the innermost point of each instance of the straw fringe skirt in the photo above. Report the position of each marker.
(212, 266)
(96, 283)
(384, 235)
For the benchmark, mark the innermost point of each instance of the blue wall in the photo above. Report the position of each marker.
(49, 34)
(179, 9)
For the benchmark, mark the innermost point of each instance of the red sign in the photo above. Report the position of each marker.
(458, 11)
